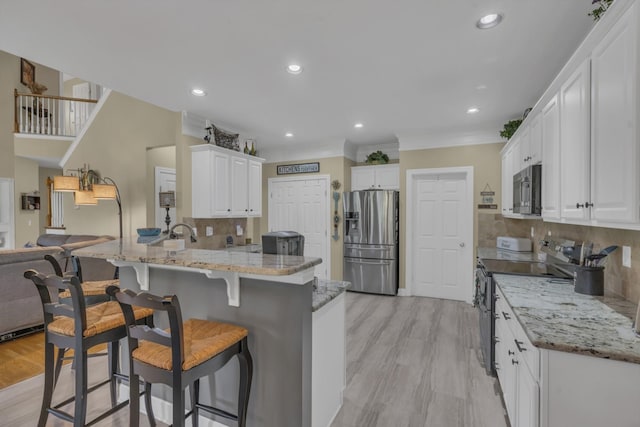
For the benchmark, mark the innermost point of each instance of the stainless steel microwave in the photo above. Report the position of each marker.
(527, 191)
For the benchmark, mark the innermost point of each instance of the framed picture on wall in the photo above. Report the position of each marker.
(27, 72)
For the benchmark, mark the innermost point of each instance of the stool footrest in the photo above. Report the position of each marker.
(217, 411)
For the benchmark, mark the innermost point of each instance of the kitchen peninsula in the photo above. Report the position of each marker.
(271, 295)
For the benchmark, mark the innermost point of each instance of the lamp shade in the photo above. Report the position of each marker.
(66, 183)
(85, 198)
(167, 199)
(104, 191)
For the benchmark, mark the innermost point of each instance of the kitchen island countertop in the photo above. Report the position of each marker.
(129, 250)
(557, 318)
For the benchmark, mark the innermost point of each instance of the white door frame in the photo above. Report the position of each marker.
(328, 216)
(412, 177)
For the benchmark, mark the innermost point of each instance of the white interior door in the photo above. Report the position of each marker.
(165, 181)
(302, 205)
(440, 230)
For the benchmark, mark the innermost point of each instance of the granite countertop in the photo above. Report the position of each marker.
(555, 317)
(495, 253)
(326, 291)
(128, 249)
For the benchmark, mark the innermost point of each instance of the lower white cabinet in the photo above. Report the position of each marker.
(225, 183)
(548, 388)
(517, 364)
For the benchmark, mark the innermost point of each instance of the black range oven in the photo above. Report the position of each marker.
(485, 299)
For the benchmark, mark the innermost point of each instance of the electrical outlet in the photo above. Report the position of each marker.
(195, 231)
(626, 256)
(533, 232)
(209, 231)
(549, 233)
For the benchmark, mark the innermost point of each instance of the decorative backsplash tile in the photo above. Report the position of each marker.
(620, 280)
(221, 229)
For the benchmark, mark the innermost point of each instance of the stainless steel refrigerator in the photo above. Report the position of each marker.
(371, 232)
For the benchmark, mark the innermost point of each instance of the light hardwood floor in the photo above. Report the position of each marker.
(410, 362)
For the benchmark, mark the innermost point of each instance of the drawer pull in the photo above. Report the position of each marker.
(519, 345)
(496, 339)
(506, 315)
(511, 353)
(514, 362)
(497, 316)
(497, 367)
(496, 297)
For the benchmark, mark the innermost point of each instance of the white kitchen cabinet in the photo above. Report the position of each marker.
(535, 140)
(519, 367)
(574, 144)
(523, 149)
(225, 184)
(507, 181)
(614, 117)
(382, 177)
(255, 188)
(550, 122)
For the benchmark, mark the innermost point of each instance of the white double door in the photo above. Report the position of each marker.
(302, 204)
(440, 233)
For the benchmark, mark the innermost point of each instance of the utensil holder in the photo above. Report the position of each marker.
(589, 280)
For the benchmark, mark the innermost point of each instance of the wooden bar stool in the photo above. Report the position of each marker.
(181, 355)
(80, 327)
(94, 291)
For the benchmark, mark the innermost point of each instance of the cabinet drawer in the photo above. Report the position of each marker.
(527, 352)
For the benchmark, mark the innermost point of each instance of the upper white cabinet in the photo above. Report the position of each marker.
(550, 124)
(507, 181)
(574, 144)
(225, 183)
(535, 140)
(614, 117)
(382, 177)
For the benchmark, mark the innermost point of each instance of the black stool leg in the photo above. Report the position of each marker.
(178, 404)
(80, 413)
(61, 352)
(112, 352)
(147, 404)
(134, 399)
(195, 398)
(49, 379)
(246, 374)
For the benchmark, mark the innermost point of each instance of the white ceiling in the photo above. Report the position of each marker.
(399, 67)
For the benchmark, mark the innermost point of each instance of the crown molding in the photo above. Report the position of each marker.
(293, 152)
(447, 138)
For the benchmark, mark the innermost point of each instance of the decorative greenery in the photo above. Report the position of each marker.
(377, 158)
(510, 128)
(603, 5)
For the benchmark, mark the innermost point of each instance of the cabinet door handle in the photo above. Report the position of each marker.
(497, 366)
(519, 345)
(228, 210)
(496, 297)
(511, 353)
(514, 362)
(497, 316)
(588, 205)
(506, 315)
(496, 339)
(578, 206)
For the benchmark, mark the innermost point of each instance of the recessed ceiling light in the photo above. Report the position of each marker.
(288, 134)
(489, 21)
(473, 110)
(198, 92)
(294, 69)
(481, 87)
(358, 125)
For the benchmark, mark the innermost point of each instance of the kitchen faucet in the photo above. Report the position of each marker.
(173, 235)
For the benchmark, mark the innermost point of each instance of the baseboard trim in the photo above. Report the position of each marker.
(404, 292)
(163, 410)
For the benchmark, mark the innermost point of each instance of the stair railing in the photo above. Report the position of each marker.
(50, 114)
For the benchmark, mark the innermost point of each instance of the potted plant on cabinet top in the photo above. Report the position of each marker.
(377, 158)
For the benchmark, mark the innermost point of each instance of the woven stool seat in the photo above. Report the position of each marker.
(203, 339)
(100, 318)
(93, 288)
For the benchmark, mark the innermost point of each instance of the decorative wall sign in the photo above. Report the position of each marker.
(298, 168)
(487, 198)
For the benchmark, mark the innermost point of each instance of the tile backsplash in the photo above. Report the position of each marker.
(221, 229)
(619, 280)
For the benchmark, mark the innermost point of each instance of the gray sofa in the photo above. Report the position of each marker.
(20, 306)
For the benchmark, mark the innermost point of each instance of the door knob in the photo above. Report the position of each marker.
(462, 244)
(578, 206)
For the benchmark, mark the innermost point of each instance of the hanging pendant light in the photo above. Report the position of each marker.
(85, 198)
(66, 183)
